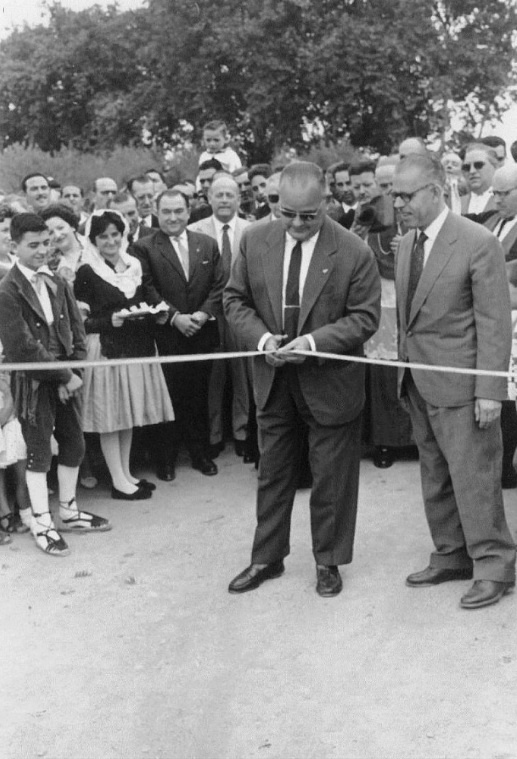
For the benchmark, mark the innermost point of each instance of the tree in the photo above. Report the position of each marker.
(280, 72)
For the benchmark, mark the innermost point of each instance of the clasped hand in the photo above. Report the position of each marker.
(285, 354)
(67, 390)
(190, 324)
(486, 412)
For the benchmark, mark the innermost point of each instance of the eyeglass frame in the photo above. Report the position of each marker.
(304, 217)
(478, 165)
(502, 193)
(407, 197)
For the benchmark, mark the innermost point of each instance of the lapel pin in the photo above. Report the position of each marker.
(325, 271)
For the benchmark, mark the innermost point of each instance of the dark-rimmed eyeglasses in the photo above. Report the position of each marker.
(502, 193)
(406, 197)
(273, 197)
(304, 217)
(477, 165)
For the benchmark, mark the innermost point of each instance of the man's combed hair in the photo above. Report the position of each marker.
(26, 222)
(429, 166)
(172, 193)
(259, 170)
(211, 163)
(362, 167)
(141, 179)
(31, 176)
(301, 172)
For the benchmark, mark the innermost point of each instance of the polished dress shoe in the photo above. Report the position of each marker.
(140, 494)
(329, 581)
(215, 449)
(205, 466)
(146, 484)
(484, 593)
(166, 472)
(383, 458)
(240, 447)
(255, 575)
(435, 576)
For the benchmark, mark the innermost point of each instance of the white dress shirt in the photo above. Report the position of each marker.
(432, 232)
(41, 291)
(307, 251)
(219, 231)
(478, 203)
(507, 227)
(183, 239)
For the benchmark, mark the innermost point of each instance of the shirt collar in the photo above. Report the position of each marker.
(29, 273)
(311, 240)
(182, 238)
(435, 226)
(220, 224)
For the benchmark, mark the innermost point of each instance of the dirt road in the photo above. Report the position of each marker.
(131, 648)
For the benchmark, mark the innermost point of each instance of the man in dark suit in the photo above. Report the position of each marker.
(185, 270)
(308, 283)
(454, 310)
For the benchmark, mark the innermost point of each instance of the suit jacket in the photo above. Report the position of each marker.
(207, 227)
(164, 279)
(24, 331)
(460, 315)
(509, 242)
(481, 218)
(340, 308)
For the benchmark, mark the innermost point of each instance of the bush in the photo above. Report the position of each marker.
(69, 166)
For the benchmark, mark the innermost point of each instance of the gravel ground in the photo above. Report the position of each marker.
(131, 648)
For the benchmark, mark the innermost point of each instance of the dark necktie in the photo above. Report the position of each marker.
(292, 293)
(415, 271)
(504, 222)
(226, 253)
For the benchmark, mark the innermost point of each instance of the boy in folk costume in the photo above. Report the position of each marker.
(40, 322)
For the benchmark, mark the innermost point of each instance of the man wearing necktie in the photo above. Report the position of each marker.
(454, 310)
(184, 269)
(304, 283)
(226, 227)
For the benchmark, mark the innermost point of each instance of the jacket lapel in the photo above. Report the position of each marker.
(320, 269)
(168, 253)
(273, 267)
(439, 255)
(27, 293)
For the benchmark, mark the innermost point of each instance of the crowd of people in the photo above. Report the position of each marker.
(286, 260)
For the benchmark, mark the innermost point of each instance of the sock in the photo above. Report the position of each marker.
(126, 438)
(110, 445)
(37, 487)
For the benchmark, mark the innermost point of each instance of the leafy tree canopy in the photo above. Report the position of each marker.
(280, 72)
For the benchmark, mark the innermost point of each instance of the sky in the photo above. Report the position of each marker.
(17, 12)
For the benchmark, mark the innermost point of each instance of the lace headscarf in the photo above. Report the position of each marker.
(126, 281)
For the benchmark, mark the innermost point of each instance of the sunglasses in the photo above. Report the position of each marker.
(304, 217)
(477, 165)
(273, 198)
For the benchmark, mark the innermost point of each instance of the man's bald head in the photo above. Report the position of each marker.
(412, 146)
(302, 195)
(224, 197)
(504, 187)
(301, 173)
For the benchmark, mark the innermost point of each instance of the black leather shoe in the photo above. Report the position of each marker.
(146, 484)
(484, 593)
(240, 447)
(383, 458)
(435, 576)
(253, 576)
(205, 466)
(329, 581)
(166, 472)
(215, 449)
(141, 494)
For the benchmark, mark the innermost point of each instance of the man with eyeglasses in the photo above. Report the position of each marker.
(504, 225)
(304, 284)
(454, 310)
(478, 167)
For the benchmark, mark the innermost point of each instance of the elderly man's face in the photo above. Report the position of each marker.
(416, 199)
(504, 188)
(302, 208)
(143, 193)
(224, 198)
(478, 171)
